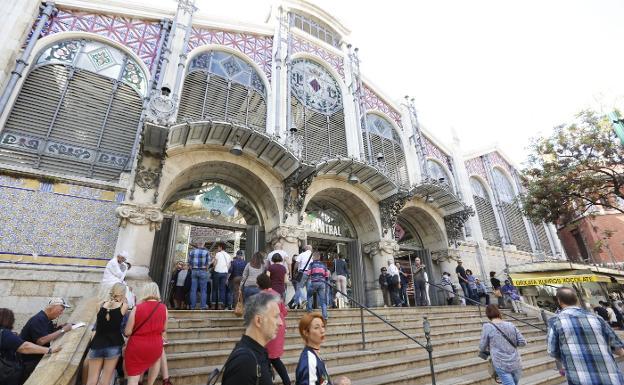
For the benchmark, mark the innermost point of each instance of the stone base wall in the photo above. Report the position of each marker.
(27, 289)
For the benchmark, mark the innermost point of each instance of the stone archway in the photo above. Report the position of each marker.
(362, 212)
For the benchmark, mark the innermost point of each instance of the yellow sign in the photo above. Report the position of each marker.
(560, 280)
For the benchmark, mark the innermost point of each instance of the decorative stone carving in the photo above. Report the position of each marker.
(147, 178)
(295, 191)
(139, 215)
(455, 222)
(389, 209)
(160, 108)
(381, 247)
(292, 234)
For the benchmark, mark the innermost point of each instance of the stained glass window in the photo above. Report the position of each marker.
(437, 172)
(385, 140)
(229, 67)
(315, 87)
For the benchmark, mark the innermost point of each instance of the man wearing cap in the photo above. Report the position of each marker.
(41, 330)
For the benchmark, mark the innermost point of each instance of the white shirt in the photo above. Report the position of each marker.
(612, 316)
(114, 273)
(393, 270)
(222, 262)
(302, 259)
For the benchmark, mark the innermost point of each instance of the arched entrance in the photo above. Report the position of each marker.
(217, 197)
(420, 235)
(337, 221)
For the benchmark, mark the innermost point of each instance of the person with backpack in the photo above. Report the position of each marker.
(501, 339)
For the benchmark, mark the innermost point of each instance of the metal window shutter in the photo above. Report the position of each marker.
(543, 238)
(338, 134)
(237, 103)
(519, 236)
(257, 112)
(487, 220)
(316, 136)
(216, 94)
(192, 98)
(79, 121)
(401, 165)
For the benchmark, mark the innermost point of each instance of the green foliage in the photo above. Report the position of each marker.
(578, 167)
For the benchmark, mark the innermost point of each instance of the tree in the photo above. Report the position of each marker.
(578, 167)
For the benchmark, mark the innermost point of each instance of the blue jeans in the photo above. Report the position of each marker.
(218, 287)
(317, 288)
(248, 291)
(199, 277)
(298, 298)
(509, 378)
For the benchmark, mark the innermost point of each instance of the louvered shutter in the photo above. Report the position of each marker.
(543, 238)
(487, 220)
(519, 236)
(193, 98)
(67, 114)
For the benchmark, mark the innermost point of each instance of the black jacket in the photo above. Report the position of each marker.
(241, 365)
(187, 280)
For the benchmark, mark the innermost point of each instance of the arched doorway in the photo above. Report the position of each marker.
(210, 197)
(420, 236)
(338, 219)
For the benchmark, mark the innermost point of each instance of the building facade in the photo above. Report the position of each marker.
(150, 130)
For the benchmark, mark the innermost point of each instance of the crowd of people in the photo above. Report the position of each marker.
(129, 334)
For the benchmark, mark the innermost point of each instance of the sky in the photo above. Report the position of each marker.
(498, 72)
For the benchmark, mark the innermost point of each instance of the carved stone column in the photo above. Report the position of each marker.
(137, 226)
(291, 237)
(379, 253)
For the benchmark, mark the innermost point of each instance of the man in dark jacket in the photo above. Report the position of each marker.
(236, 274)
(248, 364)
(384, 284)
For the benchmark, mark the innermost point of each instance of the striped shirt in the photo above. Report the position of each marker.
(318, 272)
(584, 343)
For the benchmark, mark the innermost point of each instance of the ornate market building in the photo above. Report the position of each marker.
(149, 129)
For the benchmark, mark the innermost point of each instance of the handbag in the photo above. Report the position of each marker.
(10, 371)
(299, 276)
(238, 309)
(497, 293)
(491, 369)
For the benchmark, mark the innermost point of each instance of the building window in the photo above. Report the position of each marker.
(437, 172)
(77, 113)
(386, 142)
(316, 28)
(221, 86)
(485, 211)
(511, 211)
(317, 111)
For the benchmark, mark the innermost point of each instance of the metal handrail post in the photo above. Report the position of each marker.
(429, 347)
(362, 323)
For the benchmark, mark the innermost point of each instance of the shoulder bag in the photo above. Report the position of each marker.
(146, 319)
(299, 276)
(491, 369)
(10, 371)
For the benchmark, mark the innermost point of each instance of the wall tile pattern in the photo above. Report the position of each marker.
(373, 102)
(302, 45)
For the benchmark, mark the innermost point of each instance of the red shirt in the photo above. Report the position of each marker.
(278, 273)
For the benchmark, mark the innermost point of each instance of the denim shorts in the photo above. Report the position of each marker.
(105, 353)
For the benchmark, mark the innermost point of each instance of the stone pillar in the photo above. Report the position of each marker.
(137, 226)
(379, 253)
(290, 236)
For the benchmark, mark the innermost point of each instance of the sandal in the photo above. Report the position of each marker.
(167, 381)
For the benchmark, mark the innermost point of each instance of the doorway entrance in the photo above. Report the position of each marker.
(204, 215)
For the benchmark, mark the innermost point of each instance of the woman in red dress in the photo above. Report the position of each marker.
(145, 327)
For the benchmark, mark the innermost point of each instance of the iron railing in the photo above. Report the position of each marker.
(426, 328)
(479, 304)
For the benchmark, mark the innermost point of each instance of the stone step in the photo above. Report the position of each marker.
(334, 345)
(333, 329)
(454, 372)
(535, 371)
(352, 312)
(293, 337)
(416, 366)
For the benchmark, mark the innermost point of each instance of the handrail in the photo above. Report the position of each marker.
(426, 326)
(479, 304)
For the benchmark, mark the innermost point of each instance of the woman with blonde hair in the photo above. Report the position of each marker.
(311, 368)
(146, 325)
(108, 341)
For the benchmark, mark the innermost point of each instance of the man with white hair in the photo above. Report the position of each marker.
(115, 272)
(304, 260)
(40, 330)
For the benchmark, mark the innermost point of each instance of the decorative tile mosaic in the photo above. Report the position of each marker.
(42, 223)
(475, 166)
(497, 160)
(435, 152)
(302, 45)
(259, 48)
(373, 102)
(141, 36)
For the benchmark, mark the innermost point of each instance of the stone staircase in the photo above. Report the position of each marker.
(200, 341)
